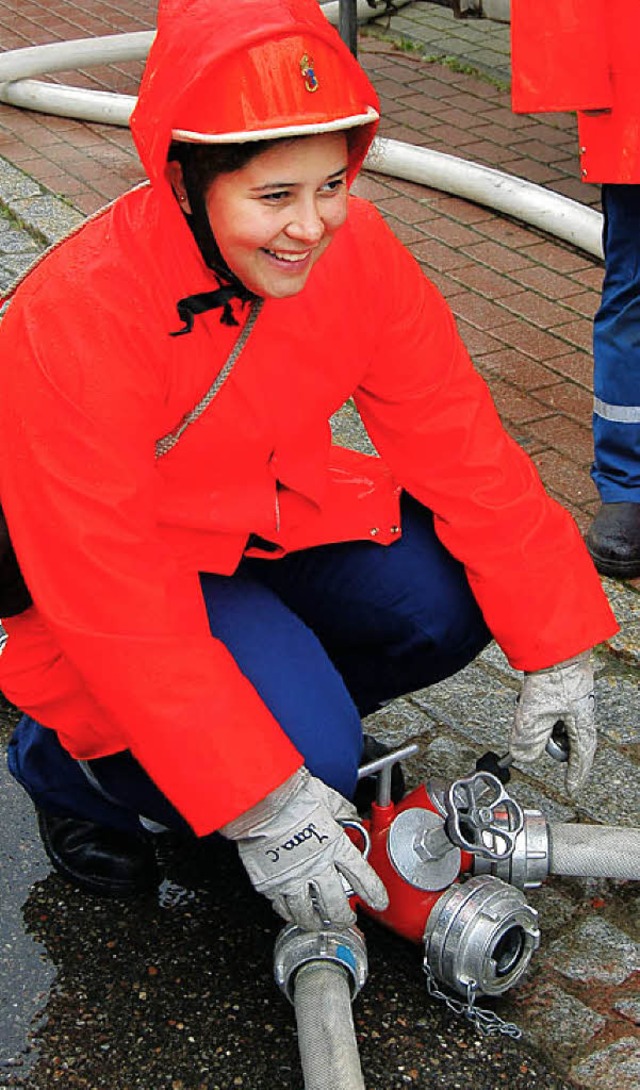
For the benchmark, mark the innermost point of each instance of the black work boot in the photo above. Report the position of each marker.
(613, 540)
(99, 859)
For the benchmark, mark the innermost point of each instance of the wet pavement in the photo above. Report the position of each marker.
(176, 990)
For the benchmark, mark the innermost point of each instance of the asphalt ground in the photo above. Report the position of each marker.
(176, 990)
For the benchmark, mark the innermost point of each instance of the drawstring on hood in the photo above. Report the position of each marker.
(230, 286)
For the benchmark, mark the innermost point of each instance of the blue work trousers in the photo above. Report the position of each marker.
(616, 351)
(326, 635)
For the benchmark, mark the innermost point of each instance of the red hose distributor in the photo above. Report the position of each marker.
(478, 932)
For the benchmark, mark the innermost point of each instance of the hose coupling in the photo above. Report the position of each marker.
(342, 946)
(480, 935)
(529, 864)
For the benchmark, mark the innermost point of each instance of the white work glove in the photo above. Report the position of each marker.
(565, 692)
(295, 852)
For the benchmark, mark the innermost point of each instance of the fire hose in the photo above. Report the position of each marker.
(321, 973)
(456, 861)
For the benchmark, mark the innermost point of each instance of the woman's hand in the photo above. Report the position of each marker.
(565, 692)
(296, 853)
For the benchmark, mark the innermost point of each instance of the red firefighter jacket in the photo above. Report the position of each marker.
(116, 651)
(583, 55)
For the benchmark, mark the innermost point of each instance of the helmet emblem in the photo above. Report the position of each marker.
(308, 74)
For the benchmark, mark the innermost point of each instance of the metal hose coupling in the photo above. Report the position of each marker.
(506, 841)
(529, 863)
(295, 948)
(480, 937)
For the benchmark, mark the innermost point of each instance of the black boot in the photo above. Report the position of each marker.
(613, 540)
(99, 859)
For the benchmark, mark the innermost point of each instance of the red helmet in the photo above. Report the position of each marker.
(293, 85)
(229, 71)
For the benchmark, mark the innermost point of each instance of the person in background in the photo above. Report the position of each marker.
(576, 56)
(219, 593)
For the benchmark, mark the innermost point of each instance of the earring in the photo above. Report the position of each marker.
(182, 198)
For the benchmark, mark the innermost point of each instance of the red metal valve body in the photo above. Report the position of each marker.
(409, 907)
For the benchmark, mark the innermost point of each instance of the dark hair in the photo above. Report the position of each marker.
(202, 163)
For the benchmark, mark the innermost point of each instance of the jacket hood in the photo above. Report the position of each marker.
(232, 70)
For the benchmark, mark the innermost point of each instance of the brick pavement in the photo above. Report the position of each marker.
(524, 304)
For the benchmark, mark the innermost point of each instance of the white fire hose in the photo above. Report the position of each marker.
(594, 851)
(326, 1034)
(579, 851)
(321, 972)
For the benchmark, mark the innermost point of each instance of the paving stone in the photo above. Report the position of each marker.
(629, 1009)
(6, 280)
(556, 1021)
(616, 1067)
(13, 241)
(348, 429)
(45, 214)
(555, 907)
(398, 723)
(610, 899)
(531, 796)
(596, 953)
(444, 758)
(475, 705)
(612, 794)
(625, 602)
(618, 703)
(15, 184)
(494, 656)
(14, 265)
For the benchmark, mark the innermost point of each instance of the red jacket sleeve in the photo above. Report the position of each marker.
(432, 418)
(559, 56)
(80, 409)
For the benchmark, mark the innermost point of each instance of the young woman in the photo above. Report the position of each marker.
(219, 593)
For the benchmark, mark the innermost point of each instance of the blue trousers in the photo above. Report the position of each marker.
(325, 635)
(616, 351)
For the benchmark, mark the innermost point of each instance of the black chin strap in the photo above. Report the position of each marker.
(192, 305)
(231, 287)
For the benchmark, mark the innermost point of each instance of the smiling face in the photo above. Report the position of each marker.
(275, 217)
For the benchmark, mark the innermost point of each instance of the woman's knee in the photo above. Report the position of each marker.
(293, 674)
(442, 613)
